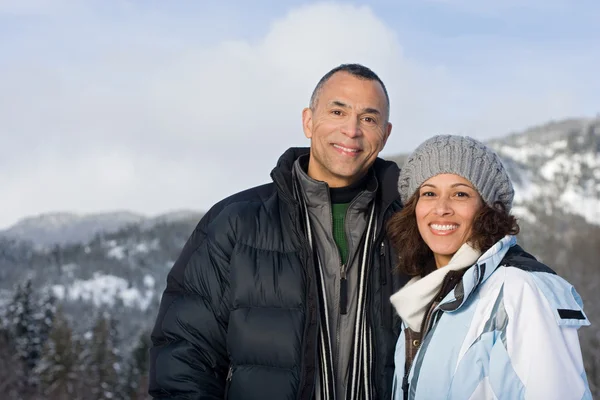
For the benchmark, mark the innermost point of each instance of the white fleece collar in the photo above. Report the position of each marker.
(412, 300)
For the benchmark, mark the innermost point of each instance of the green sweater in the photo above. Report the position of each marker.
(338, 212)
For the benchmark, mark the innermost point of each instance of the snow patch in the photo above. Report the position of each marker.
(559, 144)
(142, 248)
(149, 281)
(121, 251)
(521, 154)
(580, 204)
(527, 150)
(69, 269)
(59, 291)
(117, 252)
(105, 290)
(526, 190)
(570, 165)
(524, 213)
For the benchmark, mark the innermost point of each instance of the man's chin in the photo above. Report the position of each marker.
(350, 176)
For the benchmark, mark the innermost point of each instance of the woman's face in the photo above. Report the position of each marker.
(445, 211)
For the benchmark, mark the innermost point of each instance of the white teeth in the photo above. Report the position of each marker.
(346, 149)
(443, 227)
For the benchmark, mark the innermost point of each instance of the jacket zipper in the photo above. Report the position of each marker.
(342, 295)
(383, 283)
(408, 350)
(425, 328)
(228, 381)
(415, 342)
(343, 266)
(380, 237)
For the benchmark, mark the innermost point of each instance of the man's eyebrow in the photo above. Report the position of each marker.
(338, 104)
(371, 111)
(367, 110)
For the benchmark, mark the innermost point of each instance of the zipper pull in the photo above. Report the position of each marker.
(343, 291)
(228, 382)
(382, 267)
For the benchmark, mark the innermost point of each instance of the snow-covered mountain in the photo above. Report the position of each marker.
(122, 273)
(556, 168)
(47, 230)
(119, 262)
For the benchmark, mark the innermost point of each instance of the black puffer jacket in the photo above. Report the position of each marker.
(239, 314)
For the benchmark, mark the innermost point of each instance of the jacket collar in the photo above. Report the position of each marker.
(386, 172)
(317, 193)
(477, 274)
(282, 173)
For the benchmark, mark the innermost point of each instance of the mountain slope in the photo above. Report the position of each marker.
(47, 230)
(556, 167)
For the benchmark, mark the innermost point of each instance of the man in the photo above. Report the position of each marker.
(282, 291)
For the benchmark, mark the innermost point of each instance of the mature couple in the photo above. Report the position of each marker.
(346, 278)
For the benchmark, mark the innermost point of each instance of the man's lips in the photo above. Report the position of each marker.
(351, 151)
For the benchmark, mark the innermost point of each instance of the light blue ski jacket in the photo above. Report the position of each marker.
(508, 330)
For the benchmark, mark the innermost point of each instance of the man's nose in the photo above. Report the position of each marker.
(351, 127)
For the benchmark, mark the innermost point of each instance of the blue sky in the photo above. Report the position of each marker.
(151, 105)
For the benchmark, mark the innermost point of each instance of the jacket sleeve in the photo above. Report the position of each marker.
(188, 356)
(538, 355)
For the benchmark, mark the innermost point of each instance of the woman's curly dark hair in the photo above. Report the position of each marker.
(415, 257)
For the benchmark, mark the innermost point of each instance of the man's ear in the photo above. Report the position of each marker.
(387, 133)
(307, 122)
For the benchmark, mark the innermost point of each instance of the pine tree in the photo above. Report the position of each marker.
(57, 368)
(101, 365)
(137, 374)
(44, 317)
(29, 321)
(24, 333)
(10, 376)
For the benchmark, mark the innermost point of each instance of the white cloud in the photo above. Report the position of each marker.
(133, 117)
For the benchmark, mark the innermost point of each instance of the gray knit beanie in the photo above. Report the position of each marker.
(463, 156)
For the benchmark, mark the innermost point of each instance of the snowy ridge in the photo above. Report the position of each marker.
(54, 221)
(47, 230)
(555, 167)
(59, 228)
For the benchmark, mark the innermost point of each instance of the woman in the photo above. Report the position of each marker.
(481, 319)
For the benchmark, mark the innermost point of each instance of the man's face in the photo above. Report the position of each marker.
(347, 128)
